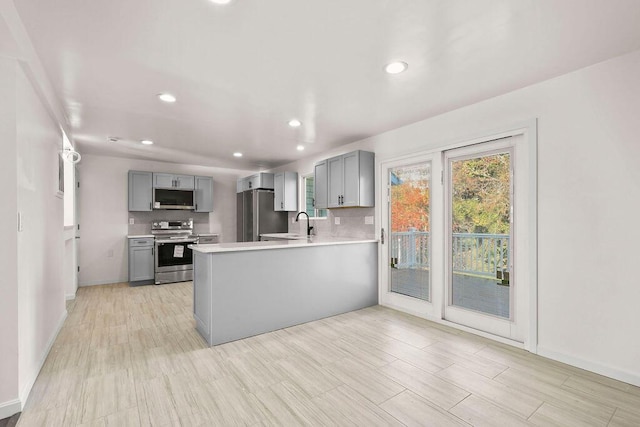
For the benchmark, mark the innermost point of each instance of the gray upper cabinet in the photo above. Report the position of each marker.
(320, 190)
(350, 180)
(204, 194)
(263, 180)
(286, 191)
(168, 180)
(140, 191)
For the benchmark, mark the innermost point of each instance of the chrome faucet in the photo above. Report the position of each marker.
(308, 227)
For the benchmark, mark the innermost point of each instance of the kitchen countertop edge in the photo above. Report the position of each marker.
(275, 244)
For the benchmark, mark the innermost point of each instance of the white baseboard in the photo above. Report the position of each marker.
(102, 282)
(69, 297)
(9, 408)
(478, 332)
(24, 394)
(598, 368)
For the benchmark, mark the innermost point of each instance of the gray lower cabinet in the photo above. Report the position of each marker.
(202, 293)
(140, 191)
(204, 194)
(232, 301)
(141, 264)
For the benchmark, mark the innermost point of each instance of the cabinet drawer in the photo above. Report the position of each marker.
(141, 241)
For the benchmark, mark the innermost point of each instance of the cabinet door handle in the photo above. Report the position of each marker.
(150, 205)
(338, 199)
(196, 206)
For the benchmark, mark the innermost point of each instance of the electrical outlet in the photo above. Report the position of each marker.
(20, 222)
(336, 220)
(131, 221)
(368, 220)
(293, 220)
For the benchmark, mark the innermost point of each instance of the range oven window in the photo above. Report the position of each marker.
(170, 254)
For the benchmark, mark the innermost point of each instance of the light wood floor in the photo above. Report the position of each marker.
(131, 356)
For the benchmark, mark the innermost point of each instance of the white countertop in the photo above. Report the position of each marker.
(139, 236)
(277, 244)
(285, 236)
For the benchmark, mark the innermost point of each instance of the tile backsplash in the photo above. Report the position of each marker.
(352, 223)
(143, 220)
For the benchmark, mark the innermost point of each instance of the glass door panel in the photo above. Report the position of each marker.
(409, 238)
(480, 233)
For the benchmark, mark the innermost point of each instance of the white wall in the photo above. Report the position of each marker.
(32, 304)
(588, 203)
(103, 215)
(9, 403)
(41, 290)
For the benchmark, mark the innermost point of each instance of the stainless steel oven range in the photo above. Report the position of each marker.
(173, 258)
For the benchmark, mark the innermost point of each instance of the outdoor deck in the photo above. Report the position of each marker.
(476, 258)
(474, 293)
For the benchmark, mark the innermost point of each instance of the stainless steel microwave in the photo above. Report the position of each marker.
(164, 198)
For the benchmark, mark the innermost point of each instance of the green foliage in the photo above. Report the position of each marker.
(481, 195)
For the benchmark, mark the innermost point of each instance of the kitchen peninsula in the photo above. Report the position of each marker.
(249, 288)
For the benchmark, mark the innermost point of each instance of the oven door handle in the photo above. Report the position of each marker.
(162, 242)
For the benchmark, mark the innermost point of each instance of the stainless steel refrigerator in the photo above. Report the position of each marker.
(256, 215)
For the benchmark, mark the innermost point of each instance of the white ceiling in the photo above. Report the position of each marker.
(242, 70)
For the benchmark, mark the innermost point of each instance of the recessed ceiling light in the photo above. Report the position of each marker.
(300, 147)
(167, 97)
(294, 123)
(221, 1)
(396, 67)
(237, 154)
(147, 142)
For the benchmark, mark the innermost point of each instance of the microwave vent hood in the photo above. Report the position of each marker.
(173, 199)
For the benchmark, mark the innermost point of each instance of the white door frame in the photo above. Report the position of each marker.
(527, 239)
(386, 297)
(511, 328)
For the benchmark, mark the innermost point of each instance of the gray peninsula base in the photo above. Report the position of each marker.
(239, 294)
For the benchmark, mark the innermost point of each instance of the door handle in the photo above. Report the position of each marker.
(382, 236)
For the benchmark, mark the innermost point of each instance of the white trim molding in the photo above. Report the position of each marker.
(26, 390)
(9, 408)
(588, 365)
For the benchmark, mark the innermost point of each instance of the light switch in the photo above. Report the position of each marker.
(337, 220)
(110, 252)
(131, 221)
(368, 220)
(20, 222)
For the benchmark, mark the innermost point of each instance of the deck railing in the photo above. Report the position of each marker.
(473, 253)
